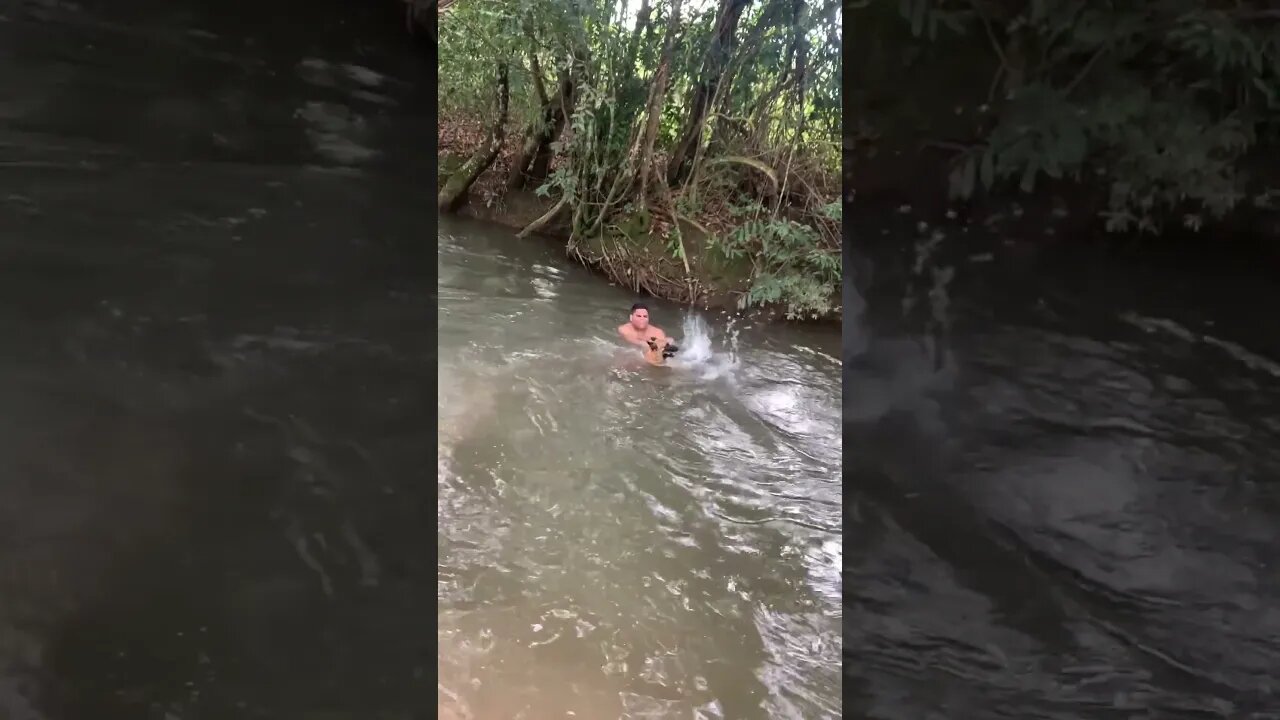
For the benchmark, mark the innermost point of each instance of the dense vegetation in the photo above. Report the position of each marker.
(689, 148)
(1151, 112)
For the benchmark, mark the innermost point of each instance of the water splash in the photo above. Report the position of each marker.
(698, 352)
(888, 374)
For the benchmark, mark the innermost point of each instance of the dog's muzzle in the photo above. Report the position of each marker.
(667, 351)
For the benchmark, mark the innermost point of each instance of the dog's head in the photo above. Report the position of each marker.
(654, 352)
(666, 349)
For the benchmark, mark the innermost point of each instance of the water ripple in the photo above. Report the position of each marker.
(650, 543)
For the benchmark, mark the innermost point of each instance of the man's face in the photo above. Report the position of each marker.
(640, 319)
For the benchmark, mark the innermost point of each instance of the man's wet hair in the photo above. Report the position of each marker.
(638, 306)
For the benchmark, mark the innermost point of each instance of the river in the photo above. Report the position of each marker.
(216, 311)
(618, 540)
(216, 471)
(1074, 514)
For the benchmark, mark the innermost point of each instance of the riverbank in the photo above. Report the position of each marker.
(683, 262)
(692, 152)
(640, 264)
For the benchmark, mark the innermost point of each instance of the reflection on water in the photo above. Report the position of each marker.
(618, 540)
(215, 353)
(1079, 518)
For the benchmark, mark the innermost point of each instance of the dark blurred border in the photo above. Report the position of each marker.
(421, 18)
(849, 301)
(849, 322)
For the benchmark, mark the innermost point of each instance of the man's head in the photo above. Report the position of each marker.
(639, 316)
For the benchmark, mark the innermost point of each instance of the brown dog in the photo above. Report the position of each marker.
(655, 351)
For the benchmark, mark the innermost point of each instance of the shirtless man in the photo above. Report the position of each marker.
(637, 331)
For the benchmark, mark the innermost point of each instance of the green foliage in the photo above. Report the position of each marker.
(447, 165)
(927, 20)
(475, 36)
(772, 123)
(791, 266)
(1159, 102)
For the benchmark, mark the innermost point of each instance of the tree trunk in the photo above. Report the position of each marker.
(802, 67)
(534, 159)
(633, 48)
(657, 94)
(716, 59)
(786, 79)
(769, 15)
(454, 193)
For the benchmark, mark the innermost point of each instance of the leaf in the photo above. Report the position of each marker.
(1267, 91)
(1037, 11)
(953, 20)
(1072, 143)
(964, 178)
(1028, 182)
(988, 170)
(1052, 167)
(917, 17)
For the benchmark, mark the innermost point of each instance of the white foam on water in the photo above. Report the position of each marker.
(699, 353)
(1249, 359)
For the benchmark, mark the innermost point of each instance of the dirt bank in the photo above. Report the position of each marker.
(641, 263)
(638, 251)
(626, 256)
